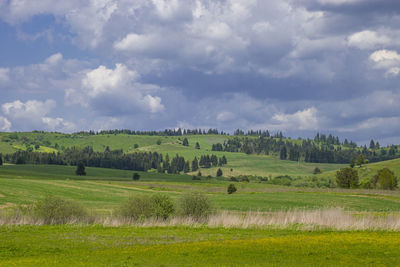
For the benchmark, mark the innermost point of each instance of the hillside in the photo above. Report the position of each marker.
(238, 163)
(367, 171)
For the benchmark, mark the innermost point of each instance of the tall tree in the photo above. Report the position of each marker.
(283, 153)
(195, 164)
(185, 142)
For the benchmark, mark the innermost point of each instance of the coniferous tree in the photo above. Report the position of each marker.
(186, 167)
(283, 153)
(80, 169)
(195, 164)
(1, 159)
(185, 142)
(197, 145)
(219, 172)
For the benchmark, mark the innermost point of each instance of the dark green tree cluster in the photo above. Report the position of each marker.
(347, 178)
(207, 161)
(385, 179)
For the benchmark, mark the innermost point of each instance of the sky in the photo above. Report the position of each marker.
(297, 66)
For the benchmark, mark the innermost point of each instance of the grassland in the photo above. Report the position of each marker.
(105, 189)
(182, 246)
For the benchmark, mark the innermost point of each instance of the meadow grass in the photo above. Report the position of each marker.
(104, 189)
(68, 245)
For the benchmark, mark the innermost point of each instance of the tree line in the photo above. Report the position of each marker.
(116, 159)
(321, 149)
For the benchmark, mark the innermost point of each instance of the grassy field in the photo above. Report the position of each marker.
(182, 246)
(105, 189)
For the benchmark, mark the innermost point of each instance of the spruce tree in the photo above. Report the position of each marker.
(195, 164)
(1, 159)
(185, 142)
(219, 172)
(197, 145)
(80, 169)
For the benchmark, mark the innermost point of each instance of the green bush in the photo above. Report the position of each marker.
(138, 207)
(142, 207)
(54, 210)
(136, 176)
(163, 206)
(385, 179)
(231, 189)
(347, 178)
(195, 205)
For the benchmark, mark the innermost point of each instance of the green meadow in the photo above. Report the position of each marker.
(102, 191)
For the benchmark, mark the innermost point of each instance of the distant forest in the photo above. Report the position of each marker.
(321, 149)
(116, 159)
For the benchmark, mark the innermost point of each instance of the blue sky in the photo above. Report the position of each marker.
(299, 66)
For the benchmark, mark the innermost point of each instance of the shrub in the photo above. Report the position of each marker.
(347, 178)
(136, 176)
(385, 179)
(54, 210)
(163, 206)
(142, 207)
(138, 207)
(195, 205)
(196, 178)
(244, 179)
(219, 172)
(233, 179)
(317, 170)
(159, 142)
(135, 146)
(231, 189)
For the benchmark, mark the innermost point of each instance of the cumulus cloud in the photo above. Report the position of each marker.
(301, 120)
(32, 115)
(5, 124)
(388, 60)
(368, 40)
(115, 90)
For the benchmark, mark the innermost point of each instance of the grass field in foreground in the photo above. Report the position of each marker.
(183, 246)
(105, 189)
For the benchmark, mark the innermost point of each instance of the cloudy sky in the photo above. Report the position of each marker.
(299, 66)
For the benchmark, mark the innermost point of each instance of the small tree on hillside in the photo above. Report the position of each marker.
(219, 172)
(283, 153)
(136, 176)
(1, 159)
(231, 189)
(347, 178)
(360, 160)
(185, 142)
(80, 169)
(186, 167)
(195, 164)
(385, 179)
(197, 145)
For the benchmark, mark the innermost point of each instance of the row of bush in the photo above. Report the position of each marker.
(55, 210)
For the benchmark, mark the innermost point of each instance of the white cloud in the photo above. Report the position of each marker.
(388, 60)
(31, 109)
(5, 124)
(115, 90)
(136, 42)
(33, 115)
(368, 40)
(306, 119)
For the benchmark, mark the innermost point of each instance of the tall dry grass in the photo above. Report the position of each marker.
(335, 219)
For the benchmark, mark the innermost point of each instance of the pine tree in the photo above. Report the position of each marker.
(195, 164)
(185, 142)
(283, 153)
(80, 169)
(1, 159)
(186, 167)
(219, 172)
(197, 145)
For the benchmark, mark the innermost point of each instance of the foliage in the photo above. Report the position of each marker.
(231, 189)
(347, 178)
(385, 179)
(195, 205)
(163, 206)
(55, 210)
(138, 207)
(317, 170)
(80, 169)
(185, 142)
(136, 176)
(219, 172)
